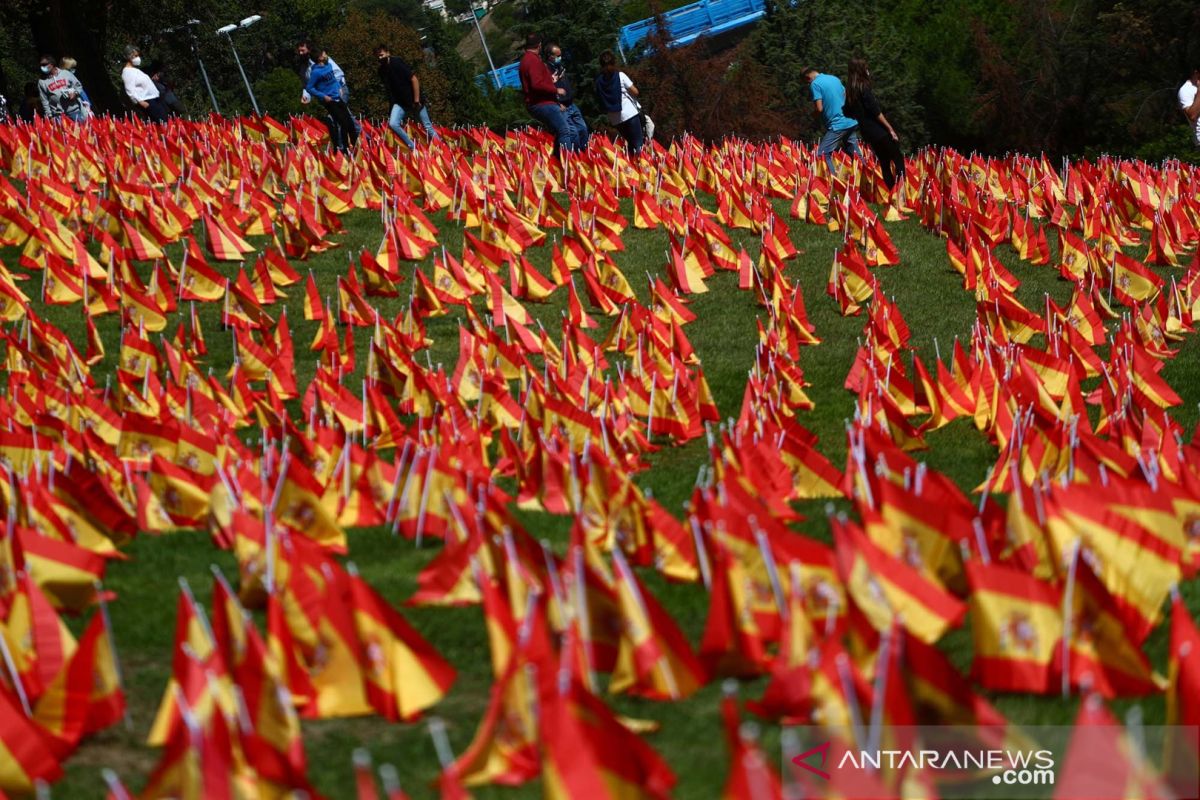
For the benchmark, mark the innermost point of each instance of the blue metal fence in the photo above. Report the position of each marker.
(685, 25)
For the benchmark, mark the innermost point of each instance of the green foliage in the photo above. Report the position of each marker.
(469, 103)
(409, 12)
(712, 95)
(505, 108)
(278, 93)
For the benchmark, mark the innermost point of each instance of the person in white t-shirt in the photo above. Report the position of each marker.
(1189, 103)
(140, 89)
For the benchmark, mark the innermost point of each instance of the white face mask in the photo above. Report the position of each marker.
(136, 61)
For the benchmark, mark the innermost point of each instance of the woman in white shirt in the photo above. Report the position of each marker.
(140, 89)
(618, 98)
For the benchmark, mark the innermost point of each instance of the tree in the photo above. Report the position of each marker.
(711, 95)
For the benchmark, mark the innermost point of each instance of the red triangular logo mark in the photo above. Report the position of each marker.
(802, 759)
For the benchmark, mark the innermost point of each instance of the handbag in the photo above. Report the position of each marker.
(647, 123)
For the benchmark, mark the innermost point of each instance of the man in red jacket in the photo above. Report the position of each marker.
(541, 95)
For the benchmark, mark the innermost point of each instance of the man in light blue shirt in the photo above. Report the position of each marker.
(829, 98)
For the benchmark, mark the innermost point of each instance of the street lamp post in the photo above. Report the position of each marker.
(483, 41)
(188, 29)
(226, 31)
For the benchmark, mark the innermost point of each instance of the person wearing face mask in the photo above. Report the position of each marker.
(60, 92)
(404, 92)
(566, 97)
(323, 85)
(140, 89)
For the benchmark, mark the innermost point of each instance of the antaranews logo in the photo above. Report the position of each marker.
(998, 762)
(1010, 767)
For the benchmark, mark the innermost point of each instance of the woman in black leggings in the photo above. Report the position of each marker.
(873, 126)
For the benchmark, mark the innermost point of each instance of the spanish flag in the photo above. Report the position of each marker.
(888, 590)
(25, 756)
(224, 243)
(1016, 621)
(588, 753)
(505, 749)
(655, 659)
(1101, 656)
(86, 696)
(404, 674)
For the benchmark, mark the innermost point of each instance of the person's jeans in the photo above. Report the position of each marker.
(76, 114)
(396, 123)
(833, 141)
(578, 126)
(632, 132)
(552, 118)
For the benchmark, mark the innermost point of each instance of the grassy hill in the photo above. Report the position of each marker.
(927, 291)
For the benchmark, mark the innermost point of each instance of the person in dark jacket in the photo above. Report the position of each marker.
(618, 97)
(171, 100)
(566, 100)
(542, 96)
(873, 126)
(404, 92)
(31, 104)
(324, 86)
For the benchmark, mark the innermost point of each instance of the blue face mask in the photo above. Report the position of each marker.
(556, 60)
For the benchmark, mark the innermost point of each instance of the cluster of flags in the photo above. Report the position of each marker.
(1062, 586)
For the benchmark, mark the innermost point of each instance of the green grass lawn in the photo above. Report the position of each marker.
(928, 292)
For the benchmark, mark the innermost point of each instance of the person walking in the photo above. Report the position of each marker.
(1189, 104)
(566, 100)
(873, 126)
(404, 92)
(542, 96)
(323, 84)
(60, 92)
(140, 89)
(829, 99)
(618, 98)
(305, 53)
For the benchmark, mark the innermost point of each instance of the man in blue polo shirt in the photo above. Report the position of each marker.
(829, 97)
